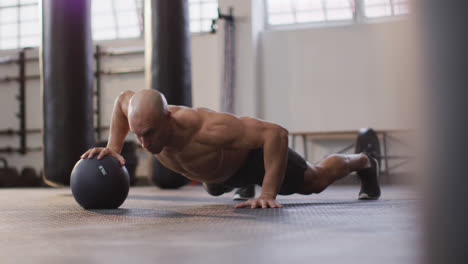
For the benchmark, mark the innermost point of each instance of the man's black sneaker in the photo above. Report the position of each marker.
(370, 188)
(245, 193)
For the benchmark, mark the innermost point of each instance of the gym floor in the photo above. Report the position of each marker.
(188, 226)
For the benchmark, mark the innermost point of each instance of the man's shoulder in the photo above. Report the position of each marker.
(186, 115)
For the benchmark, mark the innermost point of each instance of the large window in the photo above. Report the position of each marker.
(382, 8)
(19, 25)
(115, 19)
(288, 12)
(111, 19)
(281, 12)
(202, 12)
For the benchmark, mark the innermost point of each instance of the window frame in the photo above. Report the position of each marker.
(18, 6)
(358, 17)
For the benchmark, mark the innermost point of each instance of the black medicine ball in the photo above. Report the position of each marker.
(99, 184)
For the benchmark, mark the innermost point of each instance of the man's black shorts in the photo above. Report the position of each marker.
(253, 171)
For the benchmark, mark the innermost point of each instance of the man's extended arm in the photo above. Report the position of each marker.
(119, 123)
(118, 130)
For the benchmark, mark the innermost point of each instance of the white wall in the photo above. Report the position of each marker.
(338, 78)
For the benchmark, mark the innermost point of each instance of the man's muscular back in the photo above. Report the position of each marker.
(196, 158)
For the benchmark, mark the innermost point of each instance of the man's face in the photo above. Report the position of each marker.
(151, 133)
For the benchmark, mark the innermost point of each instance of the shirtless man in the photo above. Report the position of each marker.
(225, 151)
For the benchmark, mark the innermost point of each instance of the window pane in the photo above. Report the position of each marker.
(281, 19)
(28, 2)
(194, 11)
(29, 28)
(337, 3)
(8, 43)
(205, 26)
(201, 13)
(376, 2)
(195, 26)
(280, 6)
(29, 13)
(8, 2)
(108, 33)
(378, 11)
(124, 5)
(103, 21)
(339, 14)
(8, 30)
(129, 32)
(8, 15)
(401, 9)
(209, 10)
(101, 6)
(127, 19)
(316, 16)
(32, 41)
(308, 5)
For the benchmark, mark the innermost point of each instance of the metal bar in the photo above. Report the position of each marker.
(17, 150)
(389, 157)
(18, 79)
(22, 102)
(9, 60)
(399, 164)
(11, 132)
(32, 77)
(398, 140)
(304, 142)
(6, 60)
(122, 53)
(345, 132)
(122, 71)
(97, 57)
(346, 149)
(387, 170)
(9, 79)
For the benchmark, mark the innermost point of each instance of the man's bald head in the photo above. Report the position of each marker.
(148, 117)
(147, 104)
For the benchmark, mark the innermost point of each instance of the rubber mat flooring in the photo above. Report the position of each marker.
(189, 226)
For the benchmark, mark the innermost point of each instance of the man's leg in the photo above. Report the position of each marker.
(216, 189)
(317, 178)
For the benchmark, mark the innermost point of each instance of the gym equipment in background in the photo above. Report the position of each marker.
(367, 141)
(67, 83)
(168, 65)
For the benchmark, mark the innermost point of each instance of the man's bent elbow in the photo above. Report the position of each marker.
(283, 134)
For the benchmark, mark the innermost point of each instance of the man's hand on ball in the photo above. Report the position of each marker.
(101, 152)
